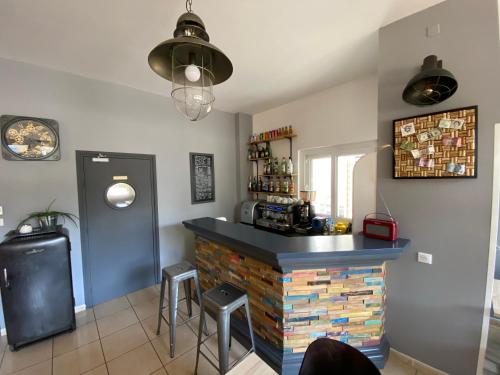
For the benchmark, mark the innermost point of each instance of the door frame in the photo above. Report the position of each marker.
(82, 207)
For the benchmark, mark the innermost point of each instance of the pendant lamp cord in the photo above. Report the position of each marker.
(188, 5)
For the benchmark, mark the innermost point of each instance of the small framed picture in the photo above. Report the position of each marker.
(202, 178)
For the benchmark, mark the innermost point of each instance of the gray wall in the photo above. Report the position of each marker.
(435, 311)
(95, 115)
(243, 132)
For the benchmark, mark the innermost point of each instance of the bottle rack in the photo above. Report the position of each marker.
(289, 137)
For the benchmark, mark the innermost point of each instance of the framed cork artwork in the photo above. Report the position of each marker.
(436, 145)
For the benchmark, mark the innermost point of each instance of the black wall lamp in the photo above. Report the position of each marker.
(432, 85)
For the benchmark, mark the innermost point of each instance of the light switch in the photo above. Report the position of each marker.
(433, 30)
(424, 258)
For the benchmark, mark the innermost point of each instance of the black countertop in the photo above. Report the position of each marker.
(286, 253)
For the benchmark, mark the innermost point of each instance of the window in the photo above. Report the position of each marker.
(321, 180)
(330, 171)
(345, 168)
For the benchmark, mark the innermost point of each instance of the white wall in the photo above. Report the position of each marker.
(94, 115)
(340, 115)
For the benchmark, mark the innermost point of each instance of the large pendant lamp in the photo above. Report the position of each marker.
(192, 64)
(432, 85)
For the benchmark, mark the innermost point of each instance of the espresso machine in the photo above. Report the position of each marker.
(306, 211)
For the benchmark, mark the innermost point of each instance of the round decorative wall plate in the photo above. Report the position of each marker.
(29, 138)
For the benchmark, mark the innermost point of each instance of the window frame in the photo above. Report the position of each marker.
(334, 152)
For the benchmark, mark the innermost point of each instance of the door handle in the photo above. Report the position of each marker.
(6, 278)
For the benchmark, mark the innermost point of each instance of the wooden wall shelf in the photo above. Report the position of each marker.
(257, 159)
(273, 139)
(278, 175)
(269, 193)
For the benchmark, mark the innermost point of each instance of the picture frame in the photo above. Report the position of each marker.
(436, 145)
(202, 177)
(25, 138)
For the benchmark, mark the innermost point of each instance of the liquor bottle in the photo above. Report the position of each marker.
(289, 167)
(264, 185)
(268, 147)
(250, 184)
(266, 150)
(283, 165)
(291, 186)
(290, 130)
(276, 166)
(277, 186)
(271, 186)
(285, 186)
(259, 188)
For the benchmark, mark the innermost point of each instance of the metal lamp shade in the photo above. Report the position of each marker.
(432, 85)
(190, 47)
(193, 98)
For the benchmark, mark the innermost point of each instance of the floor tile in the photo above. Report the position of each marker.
(44, 368)
(184, 365)
(146, 309)
(101, 370)
(80, 360)
(140, 361)
(3, 344)
(252, 364)
(185, 341)
(161, 371)
(111, 307)
(84, 317)
(236, 352)
(211, 324)
(81, 336)
(395, 366)
(143, 295)
(116, 322)
(150, 326)
(25, 357)
(123, 341)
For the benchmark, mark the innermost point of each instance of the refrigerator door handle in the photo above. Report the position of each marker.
(6, 278)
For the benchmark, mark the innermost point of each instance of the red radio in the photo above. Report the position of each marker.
(382, 229)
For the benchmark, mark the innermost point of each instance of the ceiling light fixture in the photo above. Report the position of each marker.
(432, 85)
(192, 64)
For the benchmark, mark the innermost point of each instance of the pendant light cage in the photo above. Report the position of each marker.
(192, 80)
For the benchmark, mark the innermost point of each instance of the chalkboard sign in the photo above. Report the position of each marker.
(202, 178)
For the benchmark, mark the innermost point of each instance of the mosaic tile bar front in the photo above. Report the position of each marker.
(291, 310)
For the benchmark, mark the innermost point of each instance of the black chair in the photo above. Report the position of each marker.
(329, 357)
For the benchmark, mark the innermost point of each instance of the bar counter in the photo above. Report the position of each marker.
(300, 288)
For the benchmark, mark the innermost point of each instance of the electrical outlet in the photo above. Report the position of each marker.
(424, 258)
(433, 30)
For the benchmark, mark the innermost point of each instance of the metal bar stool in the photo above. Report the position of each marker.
(222, 301)
(184, 272)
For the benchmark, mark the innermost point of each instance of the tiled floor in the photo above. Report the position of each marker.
(119, 337)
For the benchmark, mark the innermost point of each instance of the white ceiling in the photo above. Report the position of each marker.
(280, 49)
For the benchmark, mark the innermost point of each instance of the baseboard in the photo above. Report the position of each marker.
(421, 367)
(78, 308)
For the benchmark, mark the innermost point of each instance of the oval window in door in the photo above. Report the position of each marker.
(120, 195)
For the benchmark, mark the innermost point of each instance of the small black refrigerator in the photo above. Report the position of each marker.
(36, 285)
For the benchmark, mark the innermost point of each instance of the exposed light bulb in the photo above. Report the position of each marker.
(192, 73)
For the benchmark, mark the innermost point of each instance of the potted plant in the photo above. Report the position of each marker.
(48, 218)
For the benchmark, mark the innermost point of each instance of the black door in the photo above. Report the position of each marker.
(118, 223)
